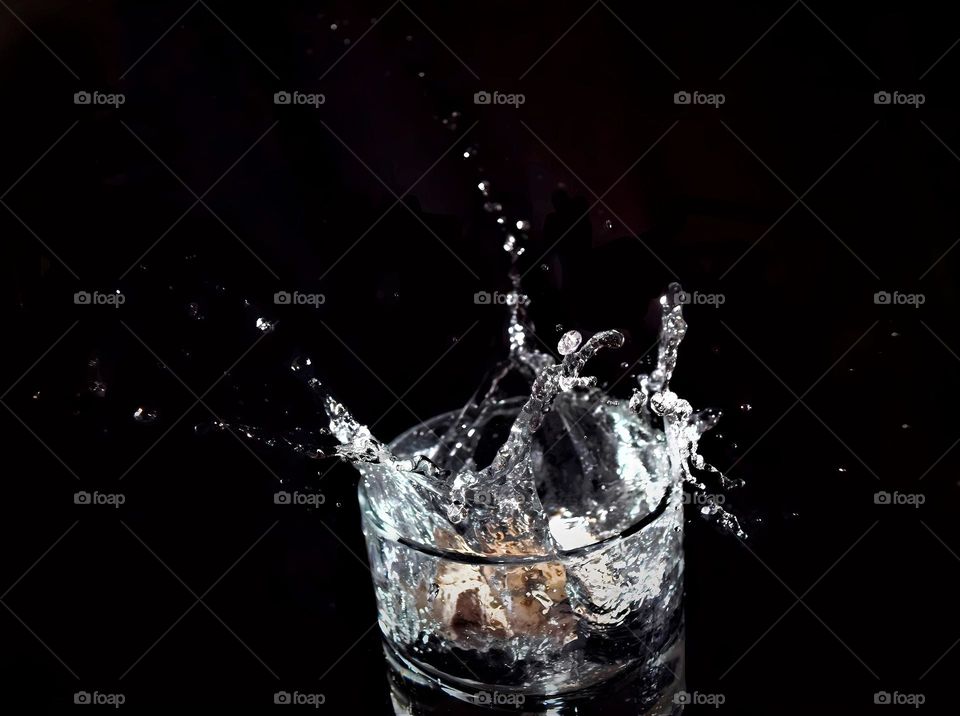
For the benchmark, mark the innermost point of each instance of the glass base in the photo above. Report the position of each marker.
(646, 690)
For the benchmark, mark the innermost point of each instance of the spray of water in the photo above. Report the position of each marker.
(442, 497)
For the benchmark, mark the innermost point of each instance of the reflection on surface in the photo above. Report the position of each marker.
(650, 692)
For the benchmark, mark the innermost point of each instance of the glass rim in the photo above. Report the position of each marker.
(370, 519)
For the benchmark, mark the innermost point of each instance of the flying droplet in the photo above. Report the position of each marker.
(569, 343)
(523, 225)
(264, 325)
(298, 364)
(144, 415)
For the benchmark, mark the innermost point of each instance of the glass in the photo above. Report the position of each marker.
(540, 631)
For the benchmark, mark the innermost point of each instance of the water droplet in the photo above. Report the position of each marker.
(333, 26)
(841, 469)
(492, 207)
(484, 187)
(98, 388)
(894, 335)
(523, 225)
(544, 267)
(193, 310)
(745, 407)
(298, 364)
(144, 415)
(569, 343)
(608, 225)
(264, 325)
(905, 426)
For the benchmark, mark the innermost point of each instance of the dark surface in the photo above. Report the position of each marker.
(707, 204)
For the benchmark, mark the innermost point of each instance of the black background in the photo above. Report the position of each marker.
(714, 197)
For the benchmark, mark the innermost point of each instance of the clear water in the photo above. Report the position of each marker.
(600, 597)
(532, 544)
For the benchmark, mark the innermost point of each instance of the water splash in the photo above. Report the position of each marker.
(442, 496)
(683, 426)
